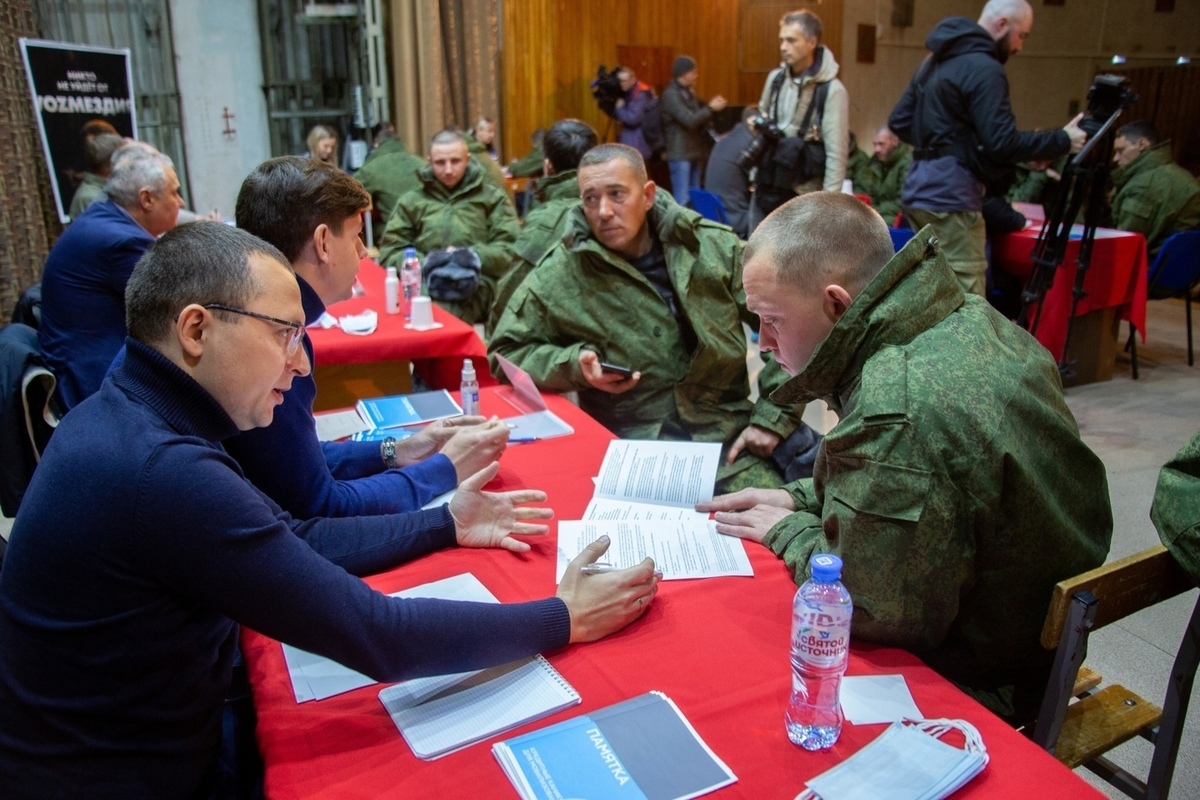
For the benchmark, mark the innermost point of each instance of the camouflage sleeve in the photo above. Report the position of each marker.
(524, 335)
(401, 232)
(1176, 508)
(799, 535)
(496, 253)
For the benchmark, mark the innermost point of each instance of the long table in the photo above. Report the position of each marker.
(1116, 277)
(718, 647)
(379, 361)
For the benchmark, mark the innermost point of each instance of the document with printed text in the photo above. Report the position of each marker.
(680, 548)
(662, 473)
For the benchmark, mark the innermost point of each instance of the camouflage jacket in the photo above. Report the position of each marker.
(1176, 509)
(388, 173)
(530, 166)
(472, 214)
(955, 486)
(584, 296)
(883, 180)
(1155, 196)
(492, 174)
(544, 228)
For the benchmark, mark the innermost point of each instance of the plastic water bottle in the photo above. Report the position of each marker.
(469, 389)
(391, 290)
(820, 649)
(410, 279)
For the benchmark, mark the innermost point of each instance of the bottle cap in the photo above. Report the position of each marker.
(826, 568)
(410, 252)
(468, 373)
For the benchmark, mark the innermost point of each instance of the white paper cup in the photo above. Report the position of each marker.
(422, 312)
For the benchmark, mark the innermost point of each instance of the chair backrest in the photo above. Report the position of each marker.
(900, 237)
(709, 206)
(1176, 269)
(1122, 588)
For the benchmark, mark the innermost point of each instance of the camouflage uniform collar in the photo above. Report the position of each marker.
(1158, 155)
(561, 186)
(913, 292)
(472, 179)
(673, 225)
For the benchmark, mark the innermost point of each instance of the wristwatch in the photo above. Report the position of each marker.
(387, 449)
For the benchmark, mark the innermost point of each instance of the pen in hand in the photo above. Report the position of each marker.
(600, 568)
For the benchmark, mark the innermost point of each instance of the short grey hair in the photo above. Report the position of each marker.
(809, 22)
(202, 262)
(136, 166)
(98, 151)
(616, 152)
(821, 238)
(447, 137)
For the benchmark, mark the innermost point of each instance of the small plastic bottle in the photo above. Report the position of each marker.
(391, 289)
(469, 390)
(821, 615)
(410, 279)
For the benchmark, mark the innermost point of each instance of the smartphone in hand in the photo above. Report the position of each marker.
(613, 369)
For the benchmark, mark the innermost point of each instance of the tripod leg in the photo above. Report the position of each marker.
(1132, 348)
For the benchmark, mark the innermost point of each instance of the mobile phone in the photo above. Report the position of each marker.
(613, 369)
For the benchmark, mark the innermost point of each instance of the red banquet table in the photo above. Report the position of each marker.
(718, 647)
(1116, 277)
(381, 358)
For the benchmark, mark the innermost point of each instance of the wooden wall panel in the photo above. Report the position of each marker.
(551, 49)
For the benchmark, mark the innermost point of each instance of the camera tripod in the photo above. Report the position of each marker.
(1084, 183)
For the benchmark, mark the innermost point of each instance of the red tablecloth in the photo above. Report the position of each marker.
(436, 355)
(718, 647)
(1116, 278)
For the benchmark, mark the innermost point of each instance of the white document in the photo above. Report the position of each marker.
(681, 548)
(316, 677)
(334, 425)
(601, 508)
(871, 699)
(662, 473)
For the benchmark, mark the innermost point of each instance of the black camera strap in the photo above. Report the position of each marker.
(818, 100)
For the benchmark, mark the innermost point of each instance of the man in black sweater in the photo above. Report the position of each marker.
(140, 547)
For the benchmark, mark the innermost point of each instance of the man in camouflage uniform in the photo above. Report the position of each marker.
(390, 171)
(1153, 195)
(882, 176)
(556, 194)
(454, 209)
(530, 166)
(955, 486)
(642, 282)
(1176, 509)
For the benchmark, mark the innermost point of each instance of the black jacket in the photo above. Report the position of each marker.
(966, 104)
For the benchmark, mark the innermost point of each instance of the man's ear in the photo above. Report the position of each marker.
(320, 240)
(650, 190)
(834, 302)
(191, 329)
(547, 167)
(146, 198)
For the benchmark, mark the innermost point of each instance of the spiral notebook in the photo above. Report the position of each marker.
(490, 702)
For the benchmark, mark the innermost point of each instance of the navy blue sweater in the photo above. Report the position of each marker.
(138, 549)
(335, 479)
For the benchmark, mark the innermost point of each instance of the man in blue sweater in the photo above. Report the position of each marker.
(83, 281)
(312, 212)
(127, 575)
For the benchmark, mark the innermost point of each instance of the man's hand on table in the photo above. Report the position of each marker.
(756, 440)
(487, 519)
(589, 365)
(472, 448)
(750, 513)
(605, 603)
(432, 438)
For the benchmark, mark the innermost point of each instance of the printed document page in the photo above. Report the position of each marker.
(681, 548)
(662, 473)
(601, 508)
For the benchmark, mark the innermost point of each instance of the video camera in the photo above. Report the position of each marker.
(769, 133)
(606, 89)
(1109, 95)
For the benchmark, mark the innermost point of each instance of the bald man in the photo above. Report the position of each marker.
(956, 115)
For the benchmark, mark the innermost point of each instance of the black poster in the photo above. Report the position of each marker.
(73, 84)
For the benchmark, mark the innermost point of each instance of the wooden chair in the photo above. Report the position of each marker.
(1079, 733)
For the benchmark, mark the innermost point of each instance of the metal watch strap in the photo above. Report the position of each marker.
(387, 449)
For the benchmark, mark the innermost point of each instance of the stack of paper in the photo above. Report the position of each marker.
(644, 502)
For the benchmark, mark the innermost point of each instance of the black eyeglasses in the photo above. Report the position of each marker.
(295, 329)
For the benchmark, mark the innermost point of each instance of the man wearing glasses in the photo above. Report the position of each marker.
(312, 212)
(127, 574)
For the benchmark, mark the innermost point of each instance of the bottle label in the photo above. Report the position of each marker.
(819, 638)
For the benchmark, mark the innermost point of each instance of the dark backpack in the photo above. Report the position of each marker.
(652, 126)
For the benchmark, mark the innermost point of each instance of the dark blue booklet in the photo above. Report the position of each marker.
(639, 749)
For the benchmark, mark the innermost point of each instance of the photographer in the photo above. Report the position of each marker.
(956, 115)
(810, 105)
(626, 99)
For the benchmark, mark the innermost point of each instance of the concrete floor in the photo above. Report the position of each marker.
(1135, 427)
